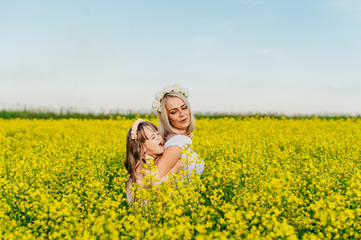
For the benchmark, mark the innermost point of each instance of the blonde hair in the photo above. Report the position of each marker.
(135, 148)
(165, 126)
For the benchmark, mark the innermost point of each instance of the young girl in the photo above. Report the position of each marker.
(144, 142)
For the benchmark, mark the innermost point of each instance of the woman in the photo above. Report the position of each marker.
(145, 142)
(144, 147)
(176, 125)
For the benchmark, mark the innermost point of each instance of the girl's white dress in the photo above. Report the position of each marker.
(139, 175)
(193, 164)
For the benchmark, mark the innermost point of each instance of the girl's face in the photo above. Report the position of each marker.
(178, 113)
(154, 144)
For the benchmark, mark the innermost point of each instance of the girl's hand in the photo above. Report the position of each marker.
(178, 166)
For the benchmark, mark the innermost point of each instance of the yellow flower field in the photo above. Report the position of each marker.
(264, 178)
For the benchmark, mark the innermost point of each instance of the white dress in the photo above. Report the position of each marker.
(139, 175)
(193, 164)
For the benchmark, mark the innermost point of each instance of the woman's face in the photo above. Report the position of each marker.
(154, 144)
(178, 113)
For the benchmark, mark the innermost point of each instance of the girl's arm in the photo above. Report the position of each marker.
(169, 159)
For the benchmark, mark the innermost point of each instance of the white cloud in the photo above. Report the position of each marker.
(266, 52)
(352, 7)
(203, 20)
(228, 30)
(336, 86)
(253, 2)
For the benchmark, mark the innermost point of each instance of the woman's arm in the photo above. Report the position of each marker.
(169, 159)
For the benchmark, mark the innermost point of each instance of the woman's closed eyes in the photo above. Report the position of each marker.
(183, 107)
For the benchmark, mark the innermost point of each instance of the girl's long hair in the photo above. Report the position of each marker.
(135, 148)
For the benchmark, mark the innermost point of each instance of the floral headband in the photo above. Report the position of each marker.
(135, 128)
(167, 89)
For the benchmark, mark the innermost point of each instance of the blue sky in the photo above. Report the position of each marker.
(243, 56)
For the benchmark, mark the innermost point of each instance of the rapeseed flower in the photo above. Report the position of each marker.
(264, 178)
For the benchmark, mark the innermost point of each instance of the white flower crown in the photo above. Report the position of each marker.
(167, 89)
